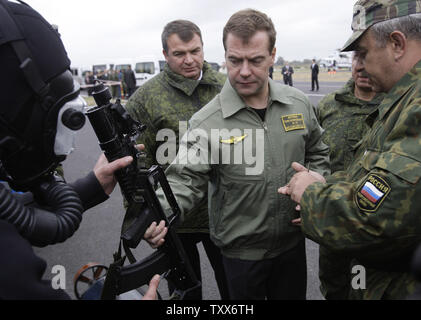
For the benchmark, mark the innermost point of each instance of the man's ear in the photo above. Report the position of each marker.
(165, 55)
(273, 54)
(399, 44)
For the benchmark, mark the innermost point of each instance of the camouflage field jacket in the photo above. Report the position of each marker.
(372, 211)
(342, 116)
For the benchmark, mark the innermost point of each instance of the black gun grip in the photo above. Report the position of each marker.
(135, 231)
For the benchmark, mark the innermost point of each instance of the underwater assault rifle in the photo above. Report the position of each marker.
(116, 132)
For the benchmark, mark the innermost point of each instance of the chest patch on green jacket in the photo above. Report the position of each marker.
(293, 122)
(372, 193)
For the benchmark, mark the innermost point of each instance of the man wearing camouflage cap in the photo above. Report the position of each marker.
(371, 212)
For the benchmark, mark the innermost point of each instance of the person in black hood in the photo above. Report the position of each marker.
(40, 112)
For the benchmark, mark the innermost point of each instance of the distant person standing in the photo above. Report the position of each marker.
(287, 72)
(130, 80)
(117, 77)
(314, 75)
(123, 85)
(223, 68)
(89, 79)
(271, 72)
(113, 77)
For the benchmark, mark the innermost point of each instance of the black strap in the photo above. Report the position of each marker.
(29, 68)
(128, 253)
(110, 289)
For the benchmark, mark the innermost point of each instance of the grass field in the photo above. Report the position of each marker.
(90, 101)
(303, 75)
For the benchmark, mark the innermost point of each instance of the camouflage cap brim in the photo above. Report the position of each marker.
(349, 45)
(369, 12)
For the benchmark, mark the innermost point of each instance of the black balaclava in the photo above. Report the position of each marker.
(34, 84)
(38, 98)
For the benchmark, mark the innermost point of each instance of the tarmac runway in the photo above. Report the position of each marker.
(97, 238)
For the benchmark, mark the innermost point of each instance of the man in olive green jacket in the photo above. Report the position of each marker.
(164, 104)
(241, 145)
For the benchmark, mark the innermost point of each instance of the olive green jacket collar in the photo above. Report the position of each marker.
(231, 102)
(188, 86)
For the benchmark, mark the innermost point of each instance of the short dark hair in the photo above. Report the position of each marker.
(409, 25)
(245, 23)
(183, 28)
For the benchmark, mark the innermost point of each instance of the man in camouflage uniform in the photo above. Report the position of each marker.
(186, 84)
(342, 114)
(371, 212)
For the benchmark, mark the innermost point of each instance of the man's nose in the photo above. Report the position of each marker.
(245, 69)
(188, 59)
(359, 66)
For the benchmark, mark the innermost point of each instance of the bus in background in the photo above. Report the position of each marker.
(122, 64)
(100, 69)
(123, 67)
(146, 68)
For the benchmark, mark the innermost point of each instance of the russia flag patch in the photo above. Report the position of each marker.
(371, 193)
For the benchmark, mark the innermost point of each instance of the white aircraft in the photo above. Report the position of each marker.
(337, 60)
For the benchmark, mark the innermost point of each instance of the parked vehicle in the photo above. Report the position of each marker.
(337, 60)
(146, 68)
(101, 68)
(122, 64)
(79, 74)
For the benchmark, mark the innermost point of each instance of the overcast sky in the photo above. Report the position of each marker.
(97, 31)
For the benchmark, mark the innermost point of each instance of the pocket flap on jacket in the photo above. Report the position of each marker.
(400, 165)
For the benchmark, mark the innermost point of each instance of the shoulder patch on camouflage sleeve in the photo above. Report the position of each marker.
(371, 193)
